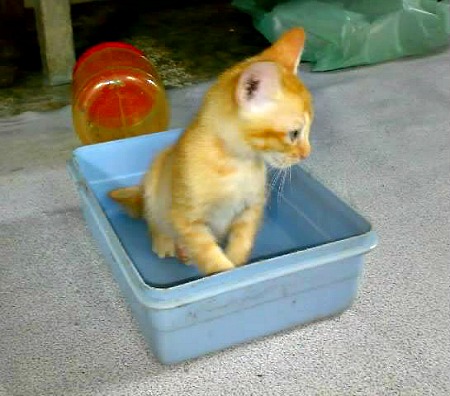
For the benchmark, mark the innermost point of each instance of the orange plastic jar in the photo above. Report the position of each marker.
(116, 93)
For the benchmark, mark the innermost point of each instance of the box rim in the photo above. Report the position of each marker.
(183, 294)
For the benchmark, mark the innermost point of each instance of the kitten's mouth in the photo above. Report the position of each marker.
(280, 163)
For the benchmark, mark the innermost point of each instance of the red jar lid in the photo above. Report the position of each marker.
(123, 101)
(102, 46)
(115, 97)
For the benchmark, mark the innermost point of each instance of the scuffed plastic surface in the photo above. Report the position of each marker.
(355, 32)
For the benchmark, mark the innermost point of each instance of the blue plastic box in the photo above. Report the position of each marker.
(306, 264)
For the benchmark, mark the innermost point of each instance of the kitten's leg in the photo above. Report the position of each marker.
(242, 234)
(201, 246)
(165, 246)
(162, 245)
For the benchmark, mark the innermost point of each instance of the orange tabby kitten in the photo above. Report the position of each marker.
(209, 187)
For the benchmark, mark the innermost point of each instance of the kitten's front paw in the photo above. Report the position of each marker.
(182, 254)
(163, 246)
(219, 265)
(238, 253)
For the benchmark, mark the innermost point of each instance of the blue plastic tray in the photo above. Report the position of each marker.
(305, 265)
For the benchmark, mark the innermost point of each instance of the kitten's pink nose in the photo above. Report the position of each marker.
(304, 155)
(304, 151)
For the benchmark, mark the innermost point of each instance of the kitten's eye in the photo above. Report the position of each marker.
(293, 135)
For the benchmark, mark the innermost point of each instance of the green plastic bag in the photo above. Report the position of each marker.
(355, 32)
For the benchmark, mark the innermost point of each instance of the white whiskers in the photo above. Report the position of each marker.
(277, 182)
(281, 185)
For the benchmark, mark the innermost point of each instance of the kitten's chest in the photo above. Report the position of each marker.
(245, 183)
(238, 190)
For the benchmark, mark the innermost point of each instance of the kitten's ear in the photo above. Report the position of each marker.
(288, 49)
(258, 86)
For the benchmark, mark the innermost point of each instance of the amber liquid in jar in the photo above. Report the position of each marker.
(117, 93)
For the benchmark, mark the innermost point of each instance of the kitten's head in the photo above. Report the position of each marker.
(274, 108)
